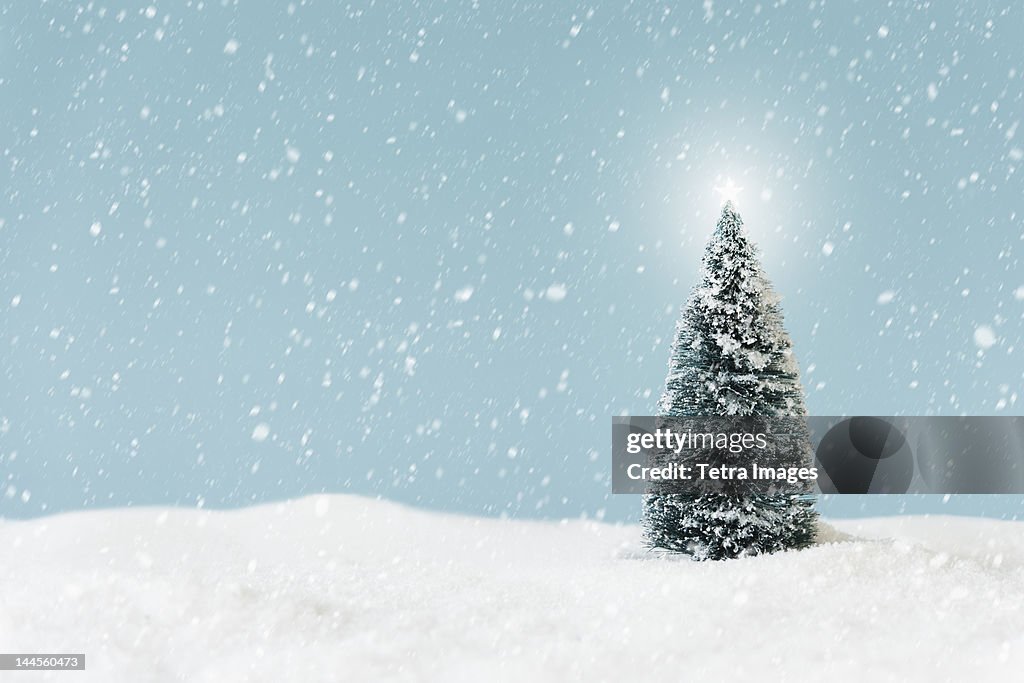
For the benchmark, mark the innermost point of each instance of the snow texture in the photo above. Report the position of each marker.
(331, 588)
(260, 432)
(985, 337)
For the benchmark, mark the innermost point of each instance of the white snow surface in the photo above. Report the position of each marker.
(343, 588)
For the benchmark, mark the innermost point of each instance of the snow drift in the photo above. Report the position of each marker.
(341, 588)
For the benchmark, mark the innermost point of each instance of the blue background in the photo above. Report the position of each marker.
(430, 248)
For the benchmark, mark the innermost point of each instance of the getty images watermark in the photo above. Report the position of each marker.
(739, 455)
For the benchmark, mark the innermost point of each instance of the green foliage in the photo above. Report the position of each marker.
(731, 356)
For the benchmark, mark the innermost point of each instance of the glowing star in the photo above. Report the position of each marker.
(730, 192)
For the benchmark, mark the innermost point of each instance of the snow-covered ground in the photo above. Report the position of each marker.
(340, 588)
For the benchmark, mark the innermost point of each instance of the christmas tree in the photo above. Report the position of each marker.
(731, 356)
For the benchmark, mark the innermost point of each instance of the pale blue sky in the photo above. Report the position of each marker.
(428, 249)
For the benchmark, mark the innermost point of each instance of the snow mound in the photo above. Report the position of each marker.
(333, 588)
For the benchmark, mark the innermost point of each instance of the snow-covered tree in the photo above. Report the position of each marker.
(731, 357)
